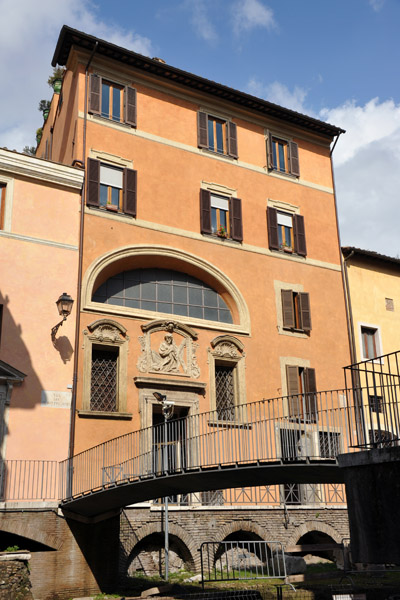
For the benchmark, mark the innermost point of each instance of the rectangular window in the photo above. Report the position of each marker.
(296, 312)
(112, 101)
(302, 397)
(216, 134)
(2, 204)
(286, 231)
(375, 403)
(225, 392)
(104, 379)
(283, 155)
(370, 342)
(221, 216)
(111, 185)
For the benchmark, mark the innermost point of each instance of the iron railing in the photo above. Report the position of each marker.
(29, 480)
(260, 431)
(290, 494)
(375, 385)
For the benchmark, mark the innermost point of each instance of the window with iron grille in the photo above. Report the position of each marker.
(375, 403)
(104, 380)
(225, 392)
(329, 444)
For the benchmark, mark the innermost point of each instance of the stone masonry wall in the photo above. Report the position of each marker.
(188, 528)
(14, 581)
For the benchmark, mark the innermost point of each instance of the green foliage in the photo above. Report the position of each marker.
(58, 73)
(44, 105)
(12, 549)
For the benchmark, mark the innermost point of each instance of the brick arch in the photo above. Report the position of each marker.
(31, 532)
(174, 530)
(309, 526)
(249, 526)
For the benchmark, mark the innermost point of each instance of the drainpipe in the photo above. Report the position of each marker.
(349, 318)
(80, 269)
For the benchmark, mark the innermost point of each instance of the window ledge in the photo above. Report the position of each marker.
(220, 154)
(108, 120)
(97, 414)
(104, 210)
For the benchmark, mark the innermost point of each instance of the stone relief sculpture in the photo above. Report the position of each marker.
(168, 347)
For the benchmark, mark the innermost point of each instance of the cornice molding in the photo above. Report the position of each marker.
(14, 163)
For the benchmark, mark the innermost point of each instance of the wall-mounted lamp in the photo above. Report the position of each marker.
(64, 305)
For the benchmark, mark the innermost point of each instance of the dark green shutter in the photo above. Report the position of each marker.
(288, 309)
(93, 182)
(311, 396)
(294, 159)
(272, 222)
(293, 388)
(299, 235)
(94, 94)
(235, 219)
(130, 106)
(202, 130)
(205, 211)
(130, 192)
(270, 159)
(305, 313)
(232, 139)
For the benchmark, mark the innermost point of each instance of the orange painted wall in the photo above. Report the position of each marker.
(33, 274)
(170, 169)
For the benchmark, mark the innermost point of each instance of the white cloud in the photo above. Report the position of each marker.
(200, 20)
(363, 124)
(27, 45)
(367, 170)
(278, 93)
(377, 5)
(248, 14)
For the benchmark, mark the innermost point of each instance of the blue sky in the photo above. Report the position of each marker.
(335, 60)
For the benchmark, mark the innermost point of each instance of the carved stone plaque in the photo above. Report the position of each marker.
(168, 347)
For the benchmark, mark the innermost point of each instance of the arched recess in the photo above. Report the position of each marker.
(150, 539)
(241, 535)
(317, 533)
(163, 257)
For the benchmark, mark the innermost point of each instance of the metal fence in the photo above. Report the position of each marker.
(260, 432)
(290, 494)
(231, 560)
(29, 480)
(375, 385)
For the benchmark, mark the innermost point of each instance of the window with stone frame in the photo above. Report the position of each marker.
(217, 134)
(104, 379)
(111, 100)
(111, 188)
(105, 370)
(225, 392)
(227, 378)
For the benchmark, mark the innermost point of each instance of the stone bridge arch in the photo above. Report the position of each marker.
(179, 540)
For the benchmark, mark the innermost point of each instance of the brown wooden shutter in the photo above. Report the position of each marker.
(288, 309)
(232, 139)
(299, 235)
(270, 159)
(235, 219)
(293, 388)
(310, 389)
(205, 211)
(305, 313)
(202, 130)
(93, 182)
(130, 191)
(272, 221)
(294, 159)
(130, 106)
(94, 94)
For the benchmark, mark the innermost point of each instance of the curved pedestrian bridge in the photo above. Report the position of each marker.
(284, 440)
